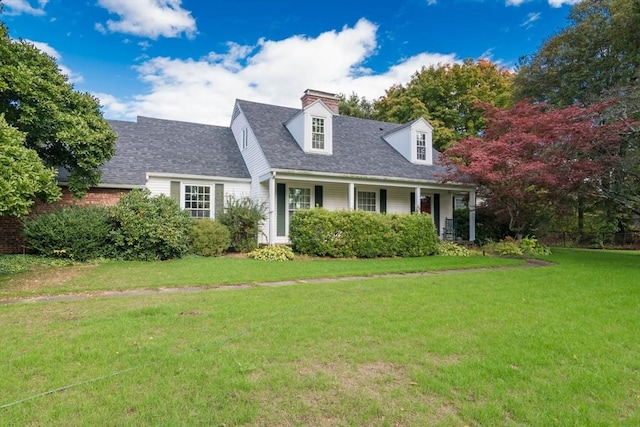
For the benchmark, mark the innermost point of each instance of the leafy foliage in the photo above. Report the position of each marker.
(596, 58)
(22, 174)
(597, 51)
(533, 161)
(64, 127)
(354, 106)
(452, 249)
(448, 96)
(361, 234)
(78, 232)
(208, 238)
(149, 228)
(242, 216)
(518, 247)
(273, 253)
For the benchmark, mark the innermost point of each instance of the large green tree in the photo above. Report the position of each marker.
(447, 96)
(63, 126)
(597, 51)
(22, 174)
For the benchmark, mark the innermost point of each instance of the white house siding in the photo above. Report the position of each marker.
(159, 186)
(263, 197)
(401, 141)
(335, 196)
(399, 200)
(253, 156)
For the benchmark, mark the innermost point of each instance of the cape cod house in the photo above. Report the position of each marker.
(288, 159)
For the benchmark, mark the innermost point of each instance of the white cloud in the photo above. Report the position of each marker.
(44, 47)
(204, 90)
(17, 7)
(148, 18)
(531, 18)
(560, 3)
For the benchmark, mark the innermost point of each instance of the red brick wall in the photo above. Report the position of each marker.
(11, 240)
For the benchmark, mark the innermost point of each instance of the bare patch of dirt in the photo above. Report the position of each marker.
(338, 393)
(40, 278)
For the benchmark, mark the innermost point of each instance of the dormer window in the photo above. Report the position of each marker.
(317, 133)
(421, 146)
(245, 138)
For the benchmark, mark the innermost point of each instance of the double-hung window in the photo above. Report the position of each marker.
(421, 146)
(299, 198)
(317, 133)
(367, 201)
(197, 200)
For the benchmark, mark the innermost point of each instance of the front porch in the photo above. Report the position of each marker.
(284, 193)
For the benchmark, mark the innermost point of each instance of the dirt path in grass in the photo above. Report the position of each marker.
(530, 263)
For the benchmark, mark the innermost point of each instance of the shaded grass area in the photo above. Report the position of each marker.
(198, 271)
(544, 346)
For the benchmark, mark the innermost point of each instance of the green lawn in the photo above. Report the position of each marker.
(557, 345)
(198, 271)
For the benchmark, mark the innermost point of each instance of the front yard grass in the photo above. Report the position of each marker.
(547, 346)
(199, 271)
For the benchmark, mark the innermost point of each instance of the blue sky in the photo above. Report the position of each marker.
(190, 59)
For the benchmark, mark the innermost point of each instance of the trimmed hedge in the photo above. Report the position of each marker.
(343, 234)
(208, 238)
(78, 232)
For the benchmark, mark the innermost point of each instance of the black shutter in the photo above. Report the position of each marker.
(219, 200)
(383, 200)
(413, 202)
(281, 209)
(318, 196)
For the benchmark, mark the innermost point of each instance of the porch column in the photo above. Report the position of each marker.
(417, 205)
(352, 196)
(472, 215)
(272, 210)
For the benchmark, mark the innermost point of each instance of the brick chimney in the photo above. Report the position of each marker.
(329, 99)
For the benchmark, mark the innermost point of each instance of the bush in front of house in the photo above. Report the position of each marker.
(272, 253)
(341, 234)
(149, 227)
(242, 216)
(452, 249)
(76, 232)
(208, 238)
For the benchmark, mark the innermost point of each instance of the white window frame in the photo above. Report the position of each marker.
(318, 133)
(359, 205)
(421, 146)
(186, 205)
(292, 209)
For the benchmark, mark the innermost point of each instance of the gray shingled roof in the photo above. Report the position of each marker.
(358, 147)
(168, 146)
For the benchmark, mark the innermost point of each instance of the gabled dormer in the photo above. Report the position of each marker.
(312, 127)
(414, 141)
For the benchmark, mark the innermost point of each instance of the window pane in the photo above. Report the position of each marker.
(197, 200)
(367, 201)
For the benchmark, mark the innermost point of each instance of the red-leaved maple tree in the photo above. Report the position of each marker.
(533, 161)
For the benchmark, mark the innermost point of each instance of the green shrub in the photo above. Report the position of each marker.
(452, 249)
(531, 246)
(77, 232)
(208, 238)
(272, 253)
(242, 217)
(149, 228)
(511, 246)
(341, 234)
